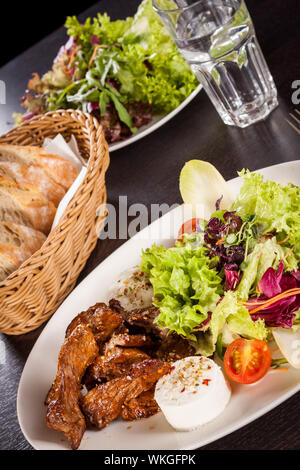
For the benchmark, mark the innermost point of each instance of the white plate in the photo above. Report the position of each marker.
(156, 122)
(248, 402)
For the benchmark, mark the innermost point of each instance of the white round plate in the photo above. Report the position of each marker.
(156, 122)
(248, 402)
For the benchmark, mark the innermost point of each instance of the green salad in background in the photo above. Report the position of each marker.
(122, 71)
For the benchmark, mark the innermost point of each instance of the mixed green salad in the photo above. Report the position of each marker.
(121, 71)
(235, 274)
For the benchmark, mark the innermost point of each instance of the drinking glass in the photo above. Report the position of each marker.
(217, 39)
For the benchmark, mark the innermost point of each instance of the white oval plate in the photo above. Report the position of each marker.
(247, 403)
(156, 122)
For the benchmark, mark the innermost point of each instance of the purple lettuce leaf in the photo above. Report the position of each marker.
(94, 40)
(280, 313)
(269, 284)
(296, 275)
(232, 278)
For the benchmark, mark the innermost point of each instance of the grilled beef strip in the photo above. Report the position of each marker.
(114, 363)
(142, 406)
(144, 318)
(102, 320)
(173, 348)
(105, 402)
(126, 340)
(63, 414)
(117, 357)
(117, 307)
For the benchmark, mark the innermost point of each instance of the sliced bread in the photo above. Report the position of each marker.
(7, 263)
(21, 236)
(60, 169)
(11, 258)
(35, 175)
(25, 205)
(17, 243)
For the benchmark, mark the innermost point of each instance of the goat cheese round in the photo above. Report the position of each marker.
(193, 393)
(132, 289)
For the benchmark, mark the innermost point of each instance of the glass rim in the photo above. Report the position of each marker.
(174, 10)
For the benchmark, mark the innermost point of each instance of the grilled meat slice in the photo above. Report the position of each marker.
(142, 406)
(173, 348)
(103, 404)
(114, 363)
(144, 318)
(128, 341)
(102, 320)
(117, 307)
(63, 414)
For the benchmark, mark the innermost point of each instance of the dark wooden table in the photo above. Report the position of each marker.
(147, 172)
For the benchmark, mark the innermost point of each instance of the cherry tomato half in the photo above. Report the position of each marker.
(188, 227)
(247, 361)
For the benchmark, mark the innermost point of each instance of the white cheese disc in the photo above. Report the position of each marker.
(193, 393)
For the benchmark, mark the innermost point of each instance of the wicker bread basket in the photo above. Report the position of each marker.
(30, 295)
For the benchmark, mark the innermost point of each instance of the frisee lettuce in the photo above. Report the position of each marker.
(275, 206)
(138, 53)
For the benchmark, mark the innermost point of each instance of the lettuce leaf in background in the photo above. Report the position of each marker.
(107, 31)
(139, 54)
(136, 68)
(276, 208)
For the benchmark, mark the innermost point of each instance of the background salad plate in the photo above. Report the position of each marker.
(156, 123)
(248, 402)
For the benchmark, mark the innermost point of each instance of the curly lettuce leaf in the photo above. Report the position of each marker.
(109, 32)
(139, 54)
(136, 56)
(186, 286)
(276, 207)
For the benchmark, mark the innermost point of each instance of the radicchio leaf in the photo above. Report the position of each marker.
(296, 275)
(269, 284)
(280, 313)
(233, 222)
(232, 278)
(94, 40)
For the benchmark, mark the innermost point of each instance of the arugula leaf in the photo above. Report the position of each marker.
(122, 111)
(103, 101)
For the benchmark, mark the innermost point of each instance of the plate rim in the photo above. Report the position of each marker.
(224, 431)
(156, 125)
